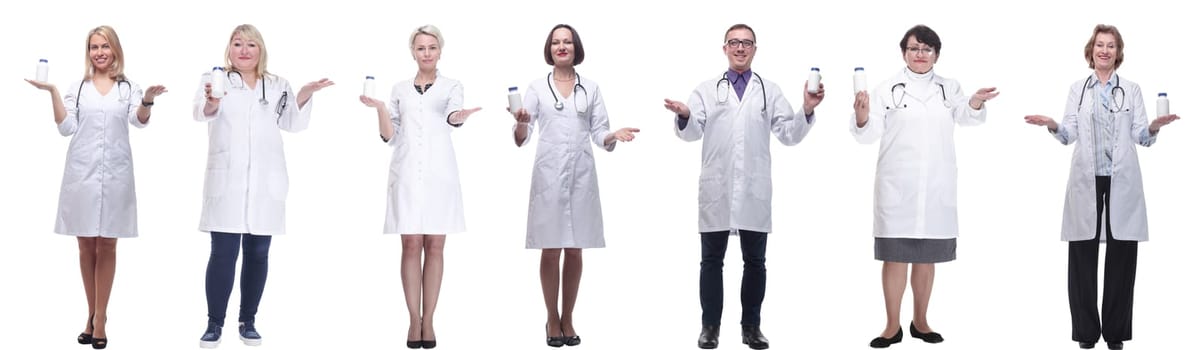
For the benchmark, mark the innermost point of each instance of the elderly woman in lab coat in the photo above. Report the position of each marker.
(915, 190)
(424, 184)
(97, 203)
(245, 178)
(1108, 112)
(734, 114)
(565, 212)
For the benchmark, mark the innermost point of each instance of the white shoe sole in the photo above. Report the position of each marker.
(210, 344)
(251, 342)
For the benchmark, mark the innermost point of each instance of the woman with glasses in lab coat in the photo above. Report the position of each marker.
(1106, 115)
(245, 178)
(915, 188)
(424, 183)
(565, 212)
(97, 203)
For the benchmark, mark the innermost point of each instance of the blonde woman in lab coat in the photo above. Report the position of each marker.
(424, 184)
(97, 203)
(565, 212)
(913, 114)
(245, 177)
(1106, 115)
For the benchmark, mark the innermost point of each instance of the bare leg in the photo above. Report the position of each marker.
(106, 267)
(87, 270)
(572, 282)
(411, 282)
(432, 279)
(922, 276)
(894, 282)
(549, 279)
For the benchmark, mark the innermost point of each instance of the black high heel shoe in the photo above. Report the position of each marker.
(555, 342)
(932, 337)
(85, 338)
(99, 343)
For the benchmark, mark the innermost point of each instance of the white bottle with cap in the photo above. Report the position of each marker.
(217, 82)
(813, 80)
(43, 70)
(1164, 105)
(858, 80)
(516, 100)
(370, 86)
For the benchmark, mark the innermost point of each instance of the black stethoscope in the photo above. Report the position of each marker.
(559, 105)
(1119, 105)
(899, 101)
(129, 89)
(263, 92)
(723, 95)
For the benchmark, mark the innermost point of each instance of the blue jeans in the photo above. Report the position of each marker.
(219, 275)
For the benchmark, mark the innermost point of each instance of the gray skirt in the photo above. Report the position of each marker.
(915, 250)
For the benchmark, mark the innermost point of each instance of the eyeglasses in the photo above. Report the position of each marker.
(927, 51)
(735, 43)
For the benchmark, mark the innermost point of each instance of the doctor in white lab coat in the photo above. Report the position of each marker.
(1105, 201)
(565, 210)
(734, 114)
(913, 114)
(424, 202)
(97, 202)
(245, 177)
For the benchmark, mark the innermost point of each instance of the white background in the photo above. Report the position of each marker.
(334, 277)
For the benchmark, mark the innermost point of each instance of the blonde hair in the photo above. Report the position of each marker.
(117, 68)
(428, 30)
(249, 33)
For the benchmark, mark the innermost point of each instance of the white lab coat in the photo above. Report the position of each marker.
(915, 188)
(424, 183)
(245, 177)
(1127, 210)
(97, 197)
(734, 188)
(565, 210)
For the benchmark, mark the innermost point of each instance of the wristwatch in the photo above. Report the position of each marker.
(147, 104)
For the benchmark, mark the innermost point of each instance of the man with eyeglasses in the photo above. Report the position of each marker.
(735, 113)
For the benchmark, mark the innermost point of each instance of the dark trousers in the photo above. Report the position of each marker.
(219, 275)
(752, 286)
(1120, 271)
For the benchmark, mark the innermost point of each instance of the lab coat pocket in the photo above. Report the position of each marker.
(710, 191)
(278, 185)
(888, 193)
(215, 182)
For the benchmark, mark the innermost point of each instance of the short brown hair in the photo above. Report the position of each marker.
(739, 26)
(1120, 45)
(578, 49)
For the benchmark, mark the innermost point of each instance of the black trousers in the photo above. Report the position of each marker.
(752, 286)
(1120, 272)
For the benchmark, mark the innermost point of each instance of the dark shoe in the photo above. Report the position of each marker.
(100, 343)
(572, 341)
(933, 337)
(212, 336)
(553, 341)
(709, 338)
(1116, 345)
(881, 342)
(246, 332)
(414, 344)
(428, 344)
(1086, 345)
(753, 338)
(85, 338)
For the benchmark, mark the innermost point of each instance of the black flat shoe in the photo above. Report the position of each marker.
(751, 336)
(414, 344)
(1086, 345)
(554, 342)
(428, 344)
(1116, 346)
(880, 342)
(85, 338)
(933, 337)
(709, 338)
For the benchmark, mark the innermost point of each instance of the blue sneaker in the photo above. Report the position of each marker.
(212, 336)
(246, 332)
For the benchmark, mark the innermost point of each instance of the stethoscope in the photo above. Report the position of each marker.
(559, 105)
(1119, 105)
(723, 95)
(263, 92)
(129, 89)
(899, 101)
